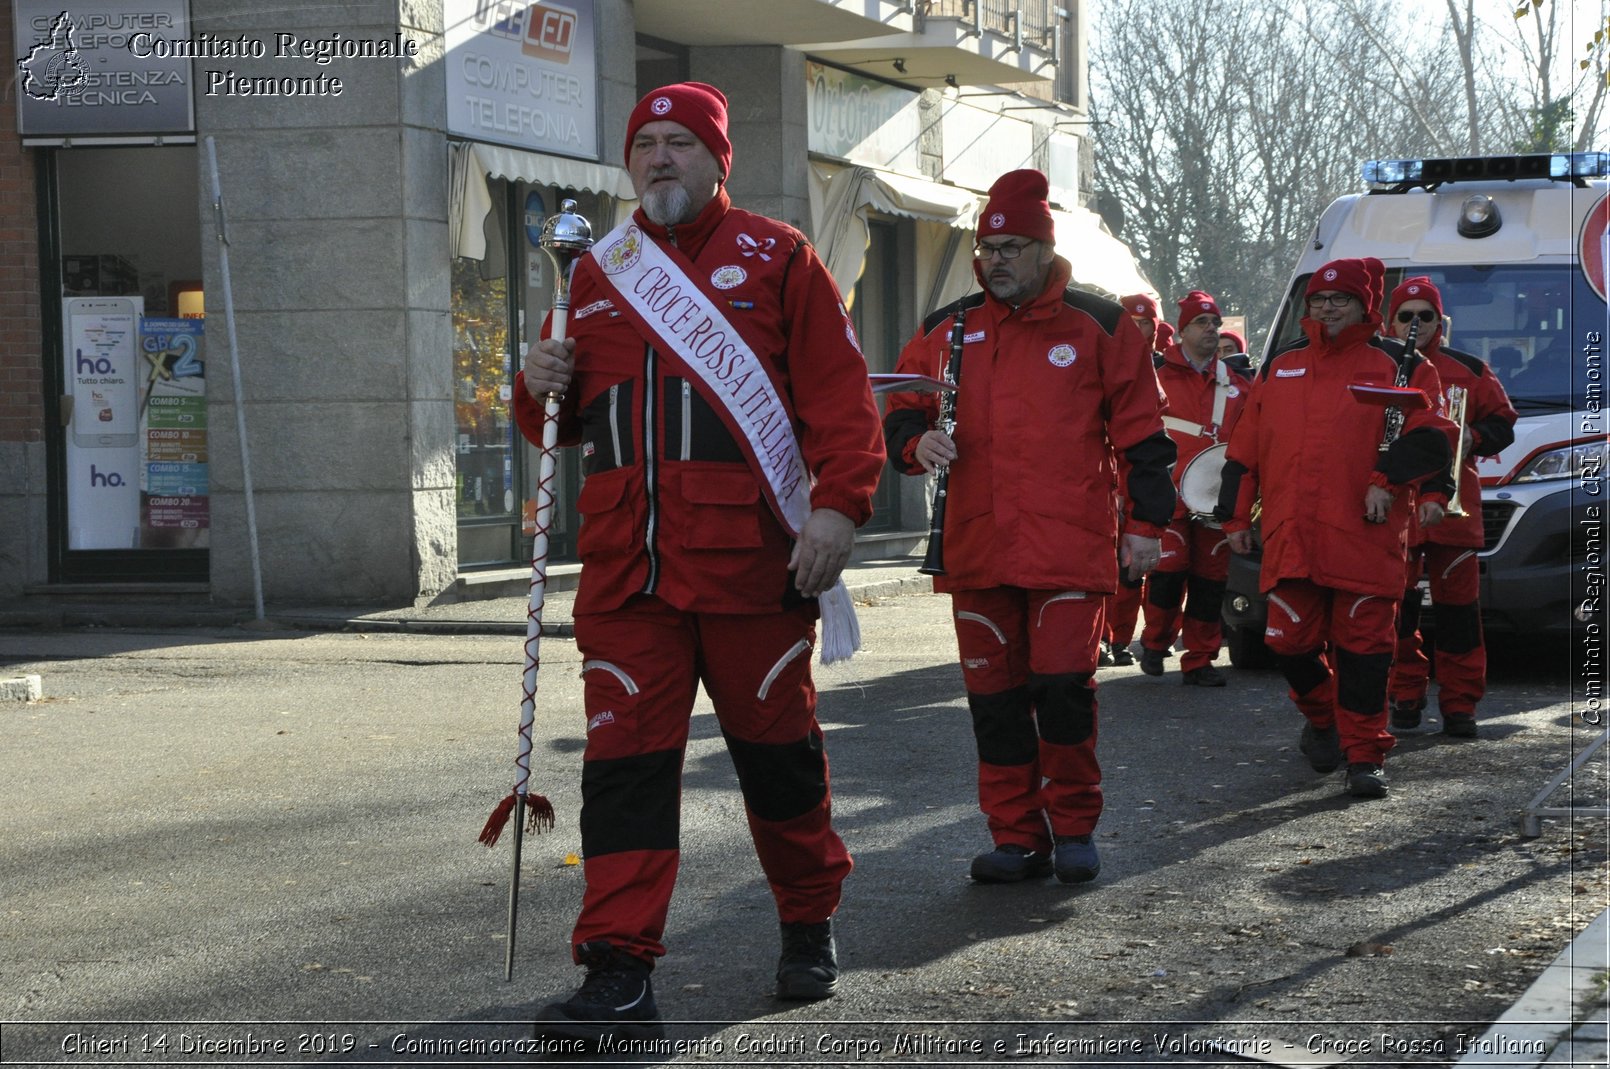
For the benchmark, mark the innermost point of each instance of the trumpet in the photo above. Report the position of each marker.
(1457, 396)
(934, 561)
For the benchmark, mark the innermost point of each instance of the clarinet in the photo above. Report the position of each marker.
(1394, 414)
(934, 562)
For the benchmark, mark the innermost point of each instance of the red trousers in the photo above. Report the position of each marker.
(1123, 610)
(1185, 594)
(1335, 649)
(642, 665)
(1461, 653)
(1029, 662)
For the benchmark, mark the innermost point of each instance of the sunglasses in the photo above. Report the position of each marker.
(1424, 315)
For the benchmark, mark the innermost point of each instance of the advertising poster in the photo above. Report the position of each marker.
(103, 443)
(173, 431)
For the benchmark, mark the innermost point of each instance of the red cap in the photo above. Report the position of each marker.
(1017, 206)
(1419, 288)
(1239, 342)
(1140, 304)
(701, 108)
(1364, 278)
(1195, 303)
(1165, 335)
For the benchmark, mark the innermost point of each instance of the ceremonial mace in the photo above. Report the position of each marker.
(566, 237)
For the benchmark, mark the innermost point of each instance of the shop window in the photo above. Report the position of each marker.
(882, 316)
(121, 234)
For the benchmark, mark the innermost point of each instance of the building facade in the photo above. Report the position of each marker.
(266, 274)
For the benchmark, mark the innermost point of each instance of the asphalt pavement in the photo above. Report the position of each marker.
(1560, 1019)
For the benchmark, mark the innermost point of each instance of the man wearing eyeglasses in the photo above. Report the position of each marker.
(1444, 544)
(1054, 383)
(1336, 492)
(1185, 596)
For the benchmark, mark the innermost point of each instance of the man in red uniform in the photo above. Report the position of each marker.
(1053, 383)
(1233, 351)
(1443, 544)
(699, 330)
(1336, 510)
(1123, 608)
(1185, 596)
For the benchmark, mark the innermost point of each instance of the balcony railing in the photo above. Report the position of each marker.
(1034, 20)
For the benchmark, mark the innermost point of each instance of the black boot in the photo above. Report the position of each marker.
(809, 966)
(615, 1001)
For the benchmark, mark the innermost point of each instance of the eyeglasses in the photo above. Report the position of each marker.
(1008, 251)
(1332, 300)
(1424, 315)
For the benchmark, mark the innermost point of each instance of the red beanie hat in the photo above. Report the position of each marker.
(1017, 205)
(1419, 288)
(1140, 304)
(701, 108)
(1364, 278)
(1165, 335)
(1237, 340)
(1195, 303)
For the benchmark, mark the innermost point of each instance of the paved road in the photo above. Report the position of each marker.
(226, 826)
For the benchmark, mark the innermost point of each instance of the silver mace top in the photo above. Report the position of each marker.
(566, 236)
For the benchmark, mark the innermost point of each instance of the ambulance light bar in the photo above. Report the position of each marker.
(1431, 172)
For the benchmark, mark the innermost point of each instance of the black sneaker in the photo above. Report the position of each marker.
(809, 966)
(1121, 657)
(1365, 780)
(1075, 859)
(1406, 714)
(1151, 661)
(1322, 747)
(1206, 676)
(615, 1001)
(1104, 657)
(1460, 725)
(1010, 864)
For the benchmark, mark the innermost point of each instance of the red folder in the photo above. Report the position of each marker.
(1405, 397)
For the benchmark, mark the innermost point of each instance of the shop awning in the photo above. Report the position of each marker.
(841, 198)
(471, 164)
(1100, 261)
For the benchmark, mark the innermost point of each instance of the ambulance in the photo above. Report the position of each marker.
(1517, 245)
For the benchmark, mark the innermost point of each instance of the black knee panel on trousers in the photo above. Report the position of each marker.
(1361, 681)
(1409, 613)
(630, 803)
(1165, 589)
(780, 781)
(1458, 627)
(1003, 727)
(1303, 671)
(1205, 599)
(1065, 706)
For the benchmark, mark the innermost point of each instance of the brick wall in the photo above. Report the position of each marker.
(22, 411)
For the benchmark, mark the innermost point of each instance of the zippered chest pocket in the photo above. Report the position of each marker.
(693, 431)
(606, 430)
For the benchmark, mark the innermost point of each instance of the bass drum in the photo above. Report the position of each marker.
(1199, 483)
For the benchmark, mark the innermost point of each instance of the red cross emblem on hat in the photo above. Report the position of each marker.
(1330, 275)
(997, 220)
(661, 105)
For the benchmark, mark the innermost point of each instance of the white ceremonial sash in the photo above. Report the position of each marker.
(681, 319)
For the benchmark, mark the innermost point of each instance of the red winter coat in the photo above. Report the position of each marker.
(1190, 401)
(1491, 419)
(669, 505)
(1310, 449)
(1049, 392)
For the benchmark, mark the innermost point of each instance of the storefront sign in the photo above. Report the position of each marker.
(78, 74)
(523, 74)
(863, 121)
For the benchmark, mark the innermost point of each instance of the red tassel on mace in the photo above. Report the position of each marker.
(539, 817)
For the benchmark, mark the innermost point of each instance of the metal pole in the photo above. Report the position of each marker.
(234, 370)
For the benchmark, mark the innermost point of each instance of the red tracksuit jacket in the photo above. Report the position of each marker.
(1049, 391)
(670, 506)
(1190, 397)
(1491, 419)
(1310, 449)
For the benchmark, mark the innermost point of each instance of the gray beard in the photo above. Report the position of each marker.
(667, 205)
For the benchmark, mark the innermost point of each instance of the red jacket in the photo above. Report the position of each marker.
(669, 505)
(1491, 420)
(1310, 449)
(1191, 394)
(1049, 392)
